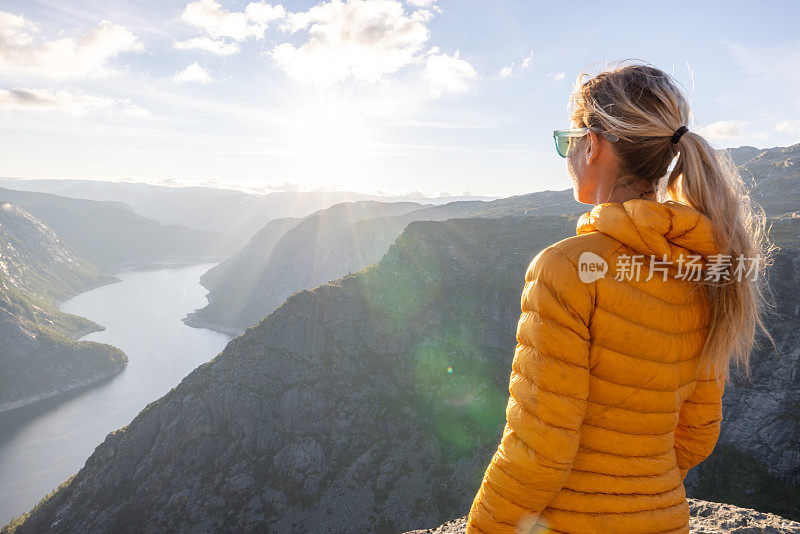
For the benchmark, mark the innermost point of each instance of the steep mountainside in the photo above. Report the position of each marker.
(230, 211)
(38, 356)
(370, 404)
(776, 173)
(110, 235)
(284, 259)
(242, 266)
(287, 256)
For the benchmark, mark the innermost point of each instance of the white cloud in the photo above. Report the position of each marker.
(721, 130)
(264, 13)
(527, 61)
(66, 58)
(506, 71)
(447, 74)
(790, 126)
(218, 22)
(728, 130)
(64, 101)
(556, 75)
(207, 44)
(193, 73)
(362, 39)
(15, 30)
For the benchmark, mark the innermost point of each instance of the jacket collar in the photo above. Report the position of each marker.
(668, 228)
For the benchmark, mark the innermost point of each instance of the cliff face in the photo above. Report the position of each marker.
(775, 173)
(371, 404)
(38, 356)
(760, 422)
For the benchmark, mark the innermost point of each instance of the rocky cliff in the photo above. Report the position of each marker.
(705, 518)
(774, 175)
(38, 356)
(370, 404)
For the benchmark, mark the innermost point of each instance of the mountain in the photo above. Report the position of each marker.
(775, 172)
(111, 236)
(230, 211)
(336, 412)
(760, 415)
(289, 255)
(39, 356)
(374, 403)
(288, 260)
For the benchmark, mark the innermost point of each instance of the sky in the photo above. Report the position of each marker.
(438, 97)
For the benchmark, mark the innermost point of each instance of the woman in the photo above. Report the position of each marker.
(627, 328)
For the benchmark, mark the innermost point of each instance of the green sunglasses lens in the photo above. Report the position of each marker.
(562, 145)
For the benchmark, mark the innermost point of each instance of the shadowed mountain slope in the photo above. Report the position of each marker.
(110, 235)
(38, 356)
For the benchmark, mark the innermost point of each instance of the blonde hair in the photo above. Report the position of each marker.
(644, 106)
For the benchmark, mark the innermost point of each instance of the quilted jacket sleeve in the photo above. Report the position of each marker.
(548, 389)
(699, 422)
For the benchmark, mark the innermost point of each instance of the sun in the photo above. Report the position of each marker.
(330, 140)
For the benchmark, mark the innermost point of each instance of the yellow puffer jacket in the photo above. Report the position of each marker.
(608, 407)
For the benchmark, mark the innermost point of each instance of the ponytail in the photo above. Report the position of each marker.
(708, 181)
(644, 107)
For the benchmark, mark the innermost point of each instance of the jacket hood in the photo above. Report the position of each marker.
(668, 228)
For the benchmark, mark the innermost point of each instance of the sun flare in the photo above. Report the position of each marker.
(330, 141)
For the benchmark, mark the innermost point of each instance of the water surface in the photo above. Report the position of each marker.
(42, 445)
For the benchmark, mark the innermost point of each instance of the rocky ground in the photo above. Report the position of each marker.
(706, 518)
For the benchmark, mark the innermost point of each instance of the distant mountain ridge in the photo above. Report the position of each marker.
(290, 255)
(290, 260)
(776, 174)
(110, 235)
(38, 356)
(230, 211)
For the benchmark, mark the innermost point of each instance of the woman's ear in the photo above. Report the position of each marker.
(592, 145)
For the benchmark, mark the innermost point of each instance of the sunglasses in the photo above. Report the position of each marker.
(568, 137)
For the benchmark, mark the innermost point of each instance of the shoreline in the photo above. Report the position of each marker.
(99, 378)
(87, 383)
(191, 320)
(163, 263)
